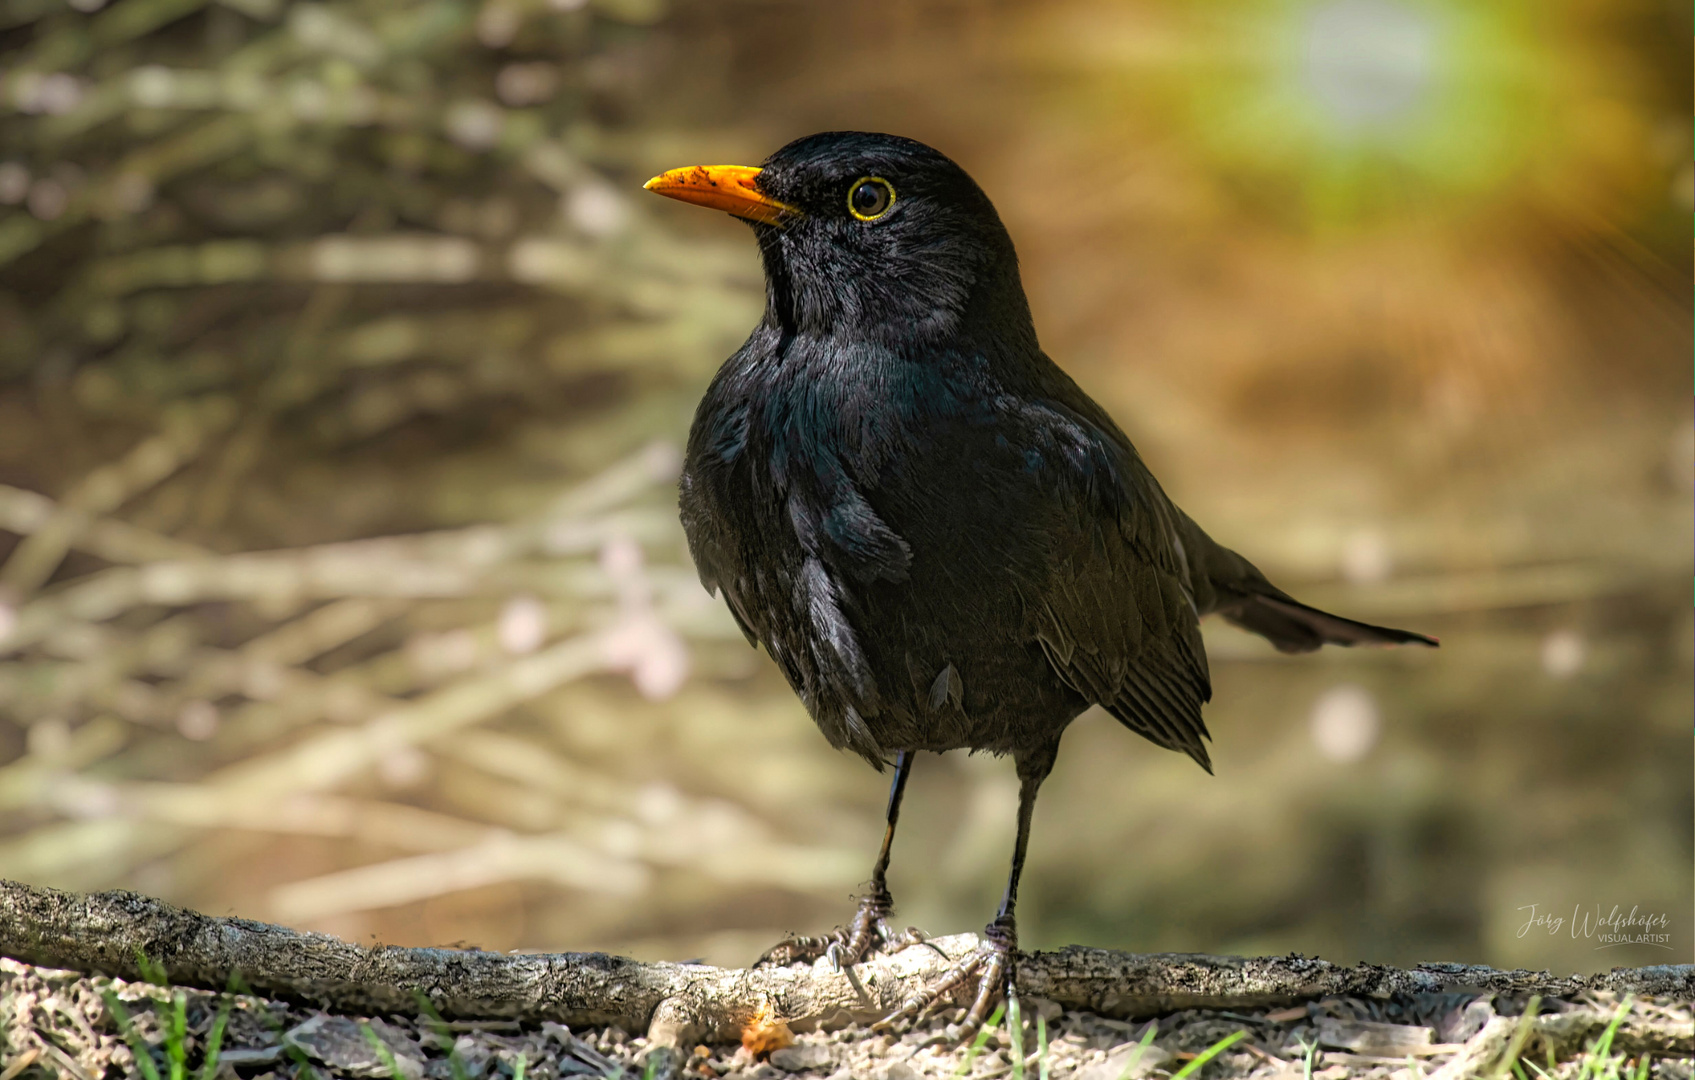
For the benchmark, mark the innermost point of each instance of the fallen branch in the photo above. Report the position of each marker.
(677, 1004)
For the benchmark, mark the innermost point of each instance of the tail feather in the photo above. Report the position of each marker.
(1293, 627)
(1230, 585)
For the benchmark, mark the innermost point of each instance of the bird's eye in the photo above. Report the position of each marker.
(870, 198)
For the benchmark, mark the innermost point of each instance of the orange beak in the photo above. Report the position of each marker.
(729, 188)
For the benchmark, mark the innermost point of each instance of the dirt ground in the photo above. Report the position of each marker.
(396, 306)
(63, 1024)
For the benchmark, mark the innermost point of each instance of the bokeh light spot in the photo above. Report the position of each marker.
(1365, 557)
(198, 720)
(1367, 61)
(1563, 653)
(523, 625)
(1345, 723)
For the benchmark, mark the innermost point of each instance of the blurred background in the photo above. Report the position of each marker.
(344, 367)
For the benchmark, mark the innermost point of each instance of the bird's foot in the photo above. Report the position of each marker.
(992, 963)
(868, 932)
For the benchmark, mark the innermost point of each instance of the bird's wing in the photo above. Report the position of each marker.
(1116, 613)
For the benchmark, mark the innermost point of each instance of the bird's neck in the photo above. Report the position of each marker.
(912, 309)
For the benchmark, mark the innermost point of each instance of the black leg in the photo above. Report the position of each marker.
(897, 790)
(1032, 770)
(869, 930)
(995, 959)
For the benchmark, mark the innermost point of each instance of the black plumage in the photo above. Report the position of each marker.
(942, 541)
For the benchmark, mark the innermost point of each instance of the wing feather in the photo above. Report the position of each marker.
(1117, 617)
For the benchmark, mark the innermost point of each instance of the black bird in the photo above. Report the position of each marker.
(942, 541)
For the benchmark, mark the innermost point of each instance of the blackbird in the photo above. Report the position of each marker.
(941, 540)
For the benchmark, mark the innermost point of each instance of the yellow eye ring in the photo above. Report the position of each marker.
(870, 198)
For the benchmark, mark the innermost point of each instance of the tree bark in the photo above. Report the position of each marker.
(679, 1004)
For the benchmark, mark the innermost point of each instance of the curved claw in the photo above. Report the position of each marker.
(996, 982)
(868, 932)
(891, 941)
(922, 1001)
(789, 950)
(992, 963)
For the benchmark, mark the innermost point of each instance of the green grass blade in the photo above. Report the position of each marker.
(1521, 1034)
(1141, 1049)
(176, 1036)
(150, 970)
(138, 1046)
(1598, 1062)
(1015, 1031)
(1208, 1054)
(518, 1068)
(386, 1055)
(1311, 1053)
(1604, 1048)
(215, 1041)
(455, 1064)
(983, 1034)
(302, 1063)
(1042, 1064)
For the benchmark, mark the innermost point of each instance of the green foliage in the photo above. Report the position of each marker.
(302, 1064)
(175, 1028)
(427, 1010)
(1200, 1059)
(1596, 1062)
(138, 1045)
(1015, 1032)
(982, 1039)
(1141, 1048)
(1600, 1063)
(386, 1056)
(215, 1041)
(176, 1036)
(1521, 1033)
(151, 970)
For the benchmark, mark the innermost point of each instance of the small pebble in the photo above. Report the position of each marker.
(802, 1056)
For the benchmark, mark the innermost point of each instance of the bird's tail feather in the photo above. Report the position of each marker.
(1293, 627)
(1233, 587)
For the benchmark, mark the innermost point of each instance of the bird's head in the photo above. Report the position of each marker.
(869, 237)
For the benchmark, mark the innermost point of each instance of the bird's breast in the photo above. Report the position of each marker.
(873, 527)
